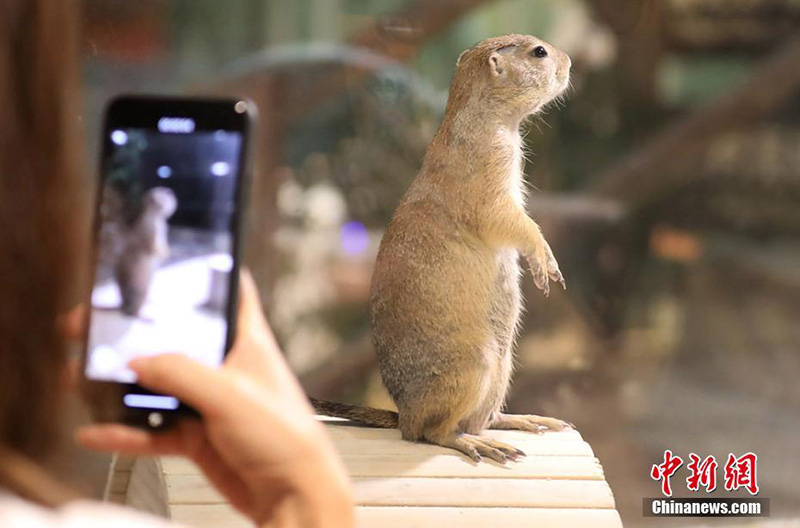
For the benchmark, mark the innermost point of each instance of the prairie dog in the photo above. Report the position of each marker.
(145, 246)
(445, 298)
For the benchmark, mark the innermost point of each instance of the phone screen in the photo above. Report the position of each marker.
(165, 239)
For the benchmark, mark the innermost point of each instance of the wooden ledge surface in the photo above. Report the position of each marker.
(400, 484)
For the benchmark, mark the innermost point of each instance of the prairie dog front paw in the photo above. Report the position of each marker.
(544, 268)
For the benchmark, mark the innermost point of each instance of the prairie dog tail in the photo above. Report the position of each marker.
(382, 418)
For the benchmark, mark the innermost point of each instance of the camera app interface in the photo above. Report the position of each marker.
(165, 247)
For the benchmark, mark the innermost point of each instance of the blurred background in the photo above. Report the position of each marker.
(668, 185)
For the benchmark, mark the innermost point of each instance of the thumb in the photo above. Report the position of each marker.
(256, 351)
(191, 382)
(251, 313)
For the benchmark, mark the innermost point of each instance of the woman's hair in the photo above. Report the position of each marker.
(39, 231)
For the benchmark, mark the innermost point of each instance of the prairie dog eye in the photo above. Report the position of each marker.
(539, 52)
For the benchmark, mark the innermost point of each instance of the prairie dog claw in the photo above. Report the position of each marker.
(544, 268)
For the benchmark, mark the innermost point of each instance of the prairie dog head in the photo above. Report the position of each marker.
(160, 202)
(517, 74)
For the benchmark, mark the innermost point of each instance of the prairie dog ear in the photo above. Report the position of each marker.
(461, 57)
(497, 64)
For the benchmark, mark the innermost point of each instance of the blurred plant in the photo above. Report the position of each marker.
(331, 200)
(121, 199)
(121, 173)
(309, 242)
(391, 117)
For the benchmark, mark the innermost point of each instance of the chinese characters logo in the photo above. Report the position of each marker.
(738, 472)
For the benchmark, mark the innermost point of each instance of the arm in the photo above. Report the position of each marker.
(505, 224)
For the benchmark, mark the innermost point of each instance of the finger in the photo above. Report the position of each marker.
(202, 387)
(251, 313)
(72, 324)
(256, 351)
(255, 344)
(127, 440)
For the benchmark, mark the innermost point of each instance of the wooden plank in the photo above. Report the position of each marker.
(398, 483)
(448, 466)
(443, 466)
(116, 498)
(392, 447)
(123, 462)
(191, 489)
(483, 492)
(355, 440)
(346, 429)
(208, 516)
(223, 516)
(119, 477)
(534, 493)
(402, 484)
(414, 517)
(567, 462)
(118, 484)
(146, 490)
(174, 465)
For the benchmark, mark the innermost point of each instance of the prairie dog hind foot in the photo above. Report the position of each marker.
(530, 423)
(476, 447)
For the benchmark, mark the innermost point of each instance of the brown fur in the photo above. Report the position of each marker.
(445, 293)
(382, 418)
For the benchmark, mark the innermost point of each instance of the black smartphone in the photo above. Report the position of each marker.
(167, 243)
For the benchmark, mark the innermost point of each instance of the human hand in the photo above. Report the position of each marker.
(258, 442)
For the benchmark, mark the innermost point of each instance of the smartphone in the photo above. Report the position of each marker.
(167, 244)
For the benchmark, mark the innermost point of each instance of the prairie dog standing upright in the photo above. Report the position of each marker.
(445, 300)
(145, 246)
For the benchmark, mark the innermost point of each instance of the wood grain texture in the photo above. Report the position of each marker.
(357, 441)
(414, 464)
(411, 517)
(532, 493)
(559, 484)
(223, 516)
(449, 466)
(147, 490)
(498, 493)
(209, 516)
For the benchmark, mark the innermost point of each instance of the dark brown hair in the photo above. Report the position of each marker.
(39, 230)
